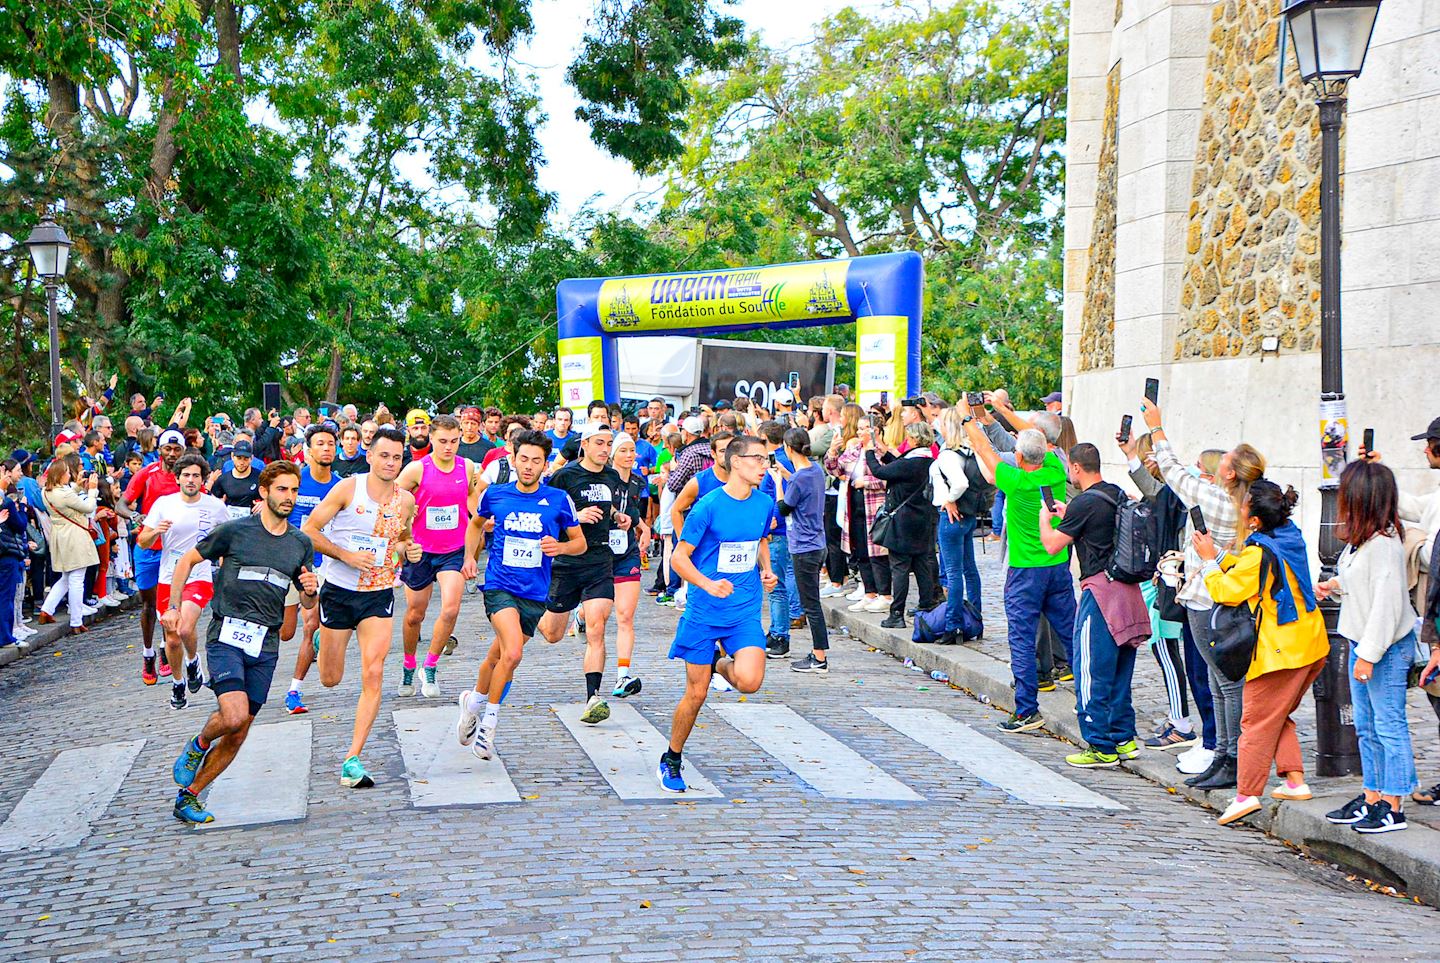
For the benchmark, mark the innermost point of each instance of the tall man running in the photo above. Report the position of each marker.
(527, 520)
(726, 536)
(317, 479)
(444, 490)
(368, 518)
(151, 483)
(182, 519)
(263, 556)
(588, 580)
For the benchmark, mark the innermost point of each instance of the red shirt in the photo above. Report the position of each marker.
(150, 483)
(494, 454)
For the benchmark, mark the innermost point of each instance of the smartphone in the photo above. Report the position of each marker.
(270, 394)
(1426, 680)
(794, 380)
(1125, 429)
(975, 399)
(1197, 519)
(1369, 440)
(1152, 390)
(773, 461)
(1049, 498)
(885, 398)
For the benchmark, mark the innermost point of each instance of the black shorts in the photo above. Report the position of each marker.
(342, 608)
(231, 670)
(529, 610)
(627, 566)
(421, 575)
(571, 586)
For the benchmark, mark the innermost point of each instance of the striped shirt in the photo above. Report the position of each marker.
(1221, 518)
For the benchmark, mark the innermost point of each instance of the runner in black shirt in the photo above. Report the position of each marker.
(238, 488)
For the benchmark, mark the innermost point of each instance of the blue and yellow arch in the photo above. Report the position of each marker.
(881, 293)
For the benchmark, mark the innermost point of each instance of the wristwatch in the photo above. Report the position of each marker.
(967, 419)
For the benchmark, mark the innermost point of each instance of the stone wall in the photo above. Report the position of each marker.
(1252, 242)
(1097, 324)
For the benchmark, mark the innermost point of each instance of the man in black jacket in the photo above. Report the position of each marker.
(267, 436)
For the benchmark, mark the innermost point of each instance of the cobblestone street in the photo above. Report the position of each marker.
(774, 869)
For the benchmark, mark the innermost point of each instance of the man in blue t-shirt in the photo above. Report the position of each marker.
(316, 480)
(723, 552)
(528, 522)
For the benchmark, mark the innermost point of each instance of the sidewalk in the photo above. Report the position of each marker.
(44, 641)
(1408, 860)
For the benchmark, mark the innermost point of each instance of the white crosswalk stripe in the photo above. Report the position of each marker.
(268, 781)
(991, 762)
(72, 792)
(440, 771)
(826, 764)
(626, 750)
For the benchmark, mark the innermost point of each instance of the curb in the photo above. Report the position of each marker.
(1409, 861)
(49, 635)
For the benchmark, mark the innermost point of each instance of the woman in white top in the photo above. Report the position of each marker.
(1378, 619)
(958, 513)
(72, 545)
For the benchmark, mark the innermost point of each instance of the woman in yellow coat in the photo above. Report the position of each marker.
(1291, 647)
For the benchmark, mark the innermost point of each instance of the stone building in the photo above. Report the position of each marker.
(1192, 233)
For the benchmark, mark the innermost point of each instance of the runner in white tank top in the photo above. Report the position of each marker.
(362, 528)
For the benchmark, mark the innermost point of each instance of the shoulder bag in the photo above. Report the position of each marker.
(1235, 630)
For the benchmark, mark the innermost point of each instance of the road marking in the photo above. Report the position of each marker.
(825, 763)
(269, 781)
(626, 750)
(73, 791)
(440, 771)
(989, 761)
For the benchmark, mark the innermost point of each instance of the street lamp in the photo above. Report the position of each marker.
(50, 250)
(1331, 38)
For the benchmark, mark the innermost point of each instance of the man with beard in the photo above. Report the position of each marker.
(316, 480)
(149, 485)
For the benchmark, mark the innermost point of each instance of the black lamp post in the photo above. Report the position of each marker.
(1331, 38)
(50, 250)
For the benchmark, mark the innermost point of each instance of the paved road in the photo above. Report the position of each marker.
(1063, 865)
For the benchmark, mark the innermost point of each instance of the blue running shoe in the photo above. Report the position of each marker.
(354, 776)
(188, 764)
(669, 775)
(315, 642)
(189, 809)
(293, 703)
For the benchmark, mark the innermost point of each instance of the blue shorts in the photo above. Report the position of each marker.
(627, 567)
(420, 575)
(147, 567)
(696, 643)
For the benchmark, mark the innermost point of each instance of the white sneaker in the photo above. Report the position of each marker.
(86, 611)
(830, 590)
(468, 723)
(859, 605)
(111, 602)
(718, 683)
(856, 595)
(878, 604)
(1194, 761)
(24, 645)
(429, 687)
(484, 745)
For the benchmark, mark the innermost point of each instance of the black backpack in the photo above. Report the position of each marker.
(502, 471)
(1133, 558)
(979, 497)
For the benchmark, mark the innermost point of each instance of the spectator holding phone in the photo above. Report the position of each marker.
(72, 545)
(1378, 619)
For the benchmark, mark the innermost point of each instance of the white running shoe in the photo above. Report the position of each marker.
(878, 604)
(1194, 761)
(429, 687)
(468, 723)
(829, 590)
(859, 605)
(718, 683)
(856, 595)
(597, 710)
(88, 610)
(111, 602)
(484, 745)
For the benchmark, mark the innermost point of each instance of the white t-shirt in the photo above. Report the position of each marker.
(189, 523)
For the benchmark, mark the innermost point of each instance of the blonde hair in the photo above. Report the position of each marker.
(952, 429)
(1249, 467)
(895, 430)
(1210, 461)
(851, 415)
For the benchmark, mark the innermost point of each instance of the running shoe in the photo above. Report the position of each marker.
(811, 664)
(1129, 749)
(468, 723)
(177, 695)
(1350, 813)
(407, 682)
(147, 669)
(484, 746)
(430, 689)
(1093, 758)
(1017, 723)
(1427, 797)
(189, 808)
(1172, 738)
(856, 595)
(668, 772)
(1063, 673)
(777, 648)
(829, 590)
(164, 663)
(652, 592)
(294, 704)
(626, 687)
(192, 676)
(718, 683)
(597, 710)
(664, 598)
(315, 642)
(450, 646)
(580, 626)
(1045, 684)
(1380, 819)
(188, 763)
(354, 776)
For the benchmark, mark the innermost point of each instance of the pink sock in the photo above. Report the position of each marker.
(431, 660)
(410, 661)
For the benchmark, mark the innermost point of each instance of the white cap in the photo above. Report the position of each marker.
(592, 429)
(171, 437)
(623, 437)
(784, 396)
(694, 425)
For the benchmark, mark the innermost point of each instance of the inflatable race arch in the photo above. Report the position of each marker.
(881, 293)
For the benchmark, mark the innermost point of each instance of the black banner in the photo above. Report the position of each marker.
(730, 371)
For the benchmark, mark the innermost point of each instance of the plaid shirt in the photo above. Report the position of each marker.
(1221, 518)
(689, 462)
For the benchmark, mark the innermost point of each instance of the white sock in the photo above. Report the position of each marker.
(149, 653)
(295, 685)
(474, 702)
(491, 716)
(1182, 726)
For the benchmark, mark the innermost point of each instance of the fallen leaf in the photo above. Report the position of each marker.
(330, 940)
(43, 918)
(644, 904)
(58, 654)
(535, 796)
(395, 895)
(906, 859)
(742, 698)
(857, 872)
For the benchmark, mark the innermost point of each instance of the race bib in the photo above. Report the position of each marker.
(522, 552)
(246, 636)
(372, 545)
(619, 541)
(737, 557)
(237, 512)
(439, 519)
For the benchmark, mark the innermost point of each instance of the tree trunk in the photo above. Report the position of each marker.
(227, 36)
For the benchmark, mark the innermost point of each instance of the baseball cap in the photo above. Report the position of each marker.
(1430, 434)
(416, 417)
(21, 455)
(722, 405)
(242, 449)
(171, 437)
(693, 425)
(916, 402)
(784, 396)
(592, 429)
(1052, 396)
(472, 412)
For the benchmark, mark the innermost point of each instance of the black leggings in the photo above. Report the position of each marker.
(836, 565)
(901, 565)
(807, 581)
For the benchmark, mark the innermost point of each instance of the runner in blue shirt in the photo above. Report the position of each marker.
(723, 552)
(527, 520)
(316, 480)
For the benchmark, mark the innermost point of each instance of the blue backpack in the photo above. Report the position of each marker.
(930, 625)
